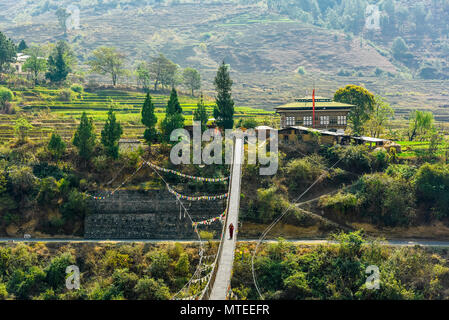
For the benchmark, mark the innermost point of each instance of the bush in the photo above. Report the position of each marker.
(56, 145)
(150, 289)
(301, 70)
(25, 285)
(249, 123)
(101, 163)
(301, 172)
(206, 235)
(385, 200)
(380, 160)
(22, 180)
(6, 95)
(159, 265)
(399, 48)
(404, 171)
(56, 270)
(341, 202)
(56, 222)
(75, 207)
(354, 158)
(48, 191)
(44, 170)
(296, 287)
(124, 282)
(266, 206)
(3, 292)
(131, 158)
(182, 267)
(114, 260)
(21, 129)
(76, 87)
(65, 95)
(432, 187)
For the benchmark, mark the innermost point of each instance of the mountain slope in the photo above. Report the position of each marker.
(264, 48)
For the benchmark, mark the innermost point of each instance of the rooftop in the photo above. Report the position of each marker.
(332, 133)
(20, 57)
(310, 99)
(325, 132)
(263, 128)
(321, 103)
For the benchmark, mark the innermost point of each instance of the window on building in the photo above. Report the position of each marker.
(341, 120)
(307, 121)
(290, 121)
(324, 120)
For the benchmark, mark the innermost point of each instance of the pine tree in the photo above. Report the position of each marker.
(224, 110)
(84, 137)
(58, 64)
(149, 120)
(200, 114)
(7, 51)
(56, 145)
(173, 116)
(173, 105)
(192, 79)
(110, 135)
(22, 46)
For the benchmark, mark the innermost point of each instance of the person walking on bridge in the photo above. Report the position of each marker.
(231, 231)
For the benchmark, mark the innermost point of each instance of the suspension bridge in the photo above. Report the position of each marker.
(220, 279)
(213, 269)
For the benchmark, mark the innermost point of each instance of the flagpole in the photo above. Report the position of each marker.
(313, 103)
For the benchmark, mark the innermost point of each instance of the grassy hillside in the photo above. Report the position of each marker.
(265, 48)
(47, 113)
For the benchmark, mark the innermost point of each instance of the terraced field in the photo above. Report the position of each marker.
(47, 113)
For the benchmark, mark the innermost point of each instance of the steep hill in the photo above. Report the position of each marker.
(264, 47)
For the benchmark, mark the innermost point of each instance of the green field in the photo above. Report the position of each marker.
(412, 149)
(47, 113)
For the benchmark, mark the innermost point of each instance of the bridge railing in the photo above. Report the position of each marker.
(210, 283)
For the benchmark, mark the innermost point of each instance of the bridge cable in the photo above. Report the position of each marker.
(201, 251)
(268, 229)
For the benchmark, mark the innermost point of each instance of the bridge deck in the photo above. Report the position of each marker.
(226, 258)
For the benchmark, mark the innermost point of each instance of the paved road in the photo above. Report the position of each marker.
(226, 257)
(399, 243)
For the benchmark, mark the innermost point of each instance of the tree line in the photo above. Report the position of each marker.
(396, 17)
(84, 138)
(371, 115)
(56, 61)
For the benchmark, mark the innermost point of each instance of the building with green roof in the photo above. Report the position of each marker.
(328, 114)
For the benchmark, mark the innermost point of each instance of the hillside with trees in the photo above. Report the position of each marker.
(267, 43)
(94, 111)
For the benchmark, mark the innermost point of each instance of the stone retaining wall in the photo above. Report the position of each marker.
(130, 214)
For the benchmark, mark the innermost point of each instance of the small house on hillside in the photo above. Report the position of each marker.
(328, 114)
(129, 144)
(267, 130)
(377, 143)
(209, 125)
(20, 61)
(292, 134)
(18, 64)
